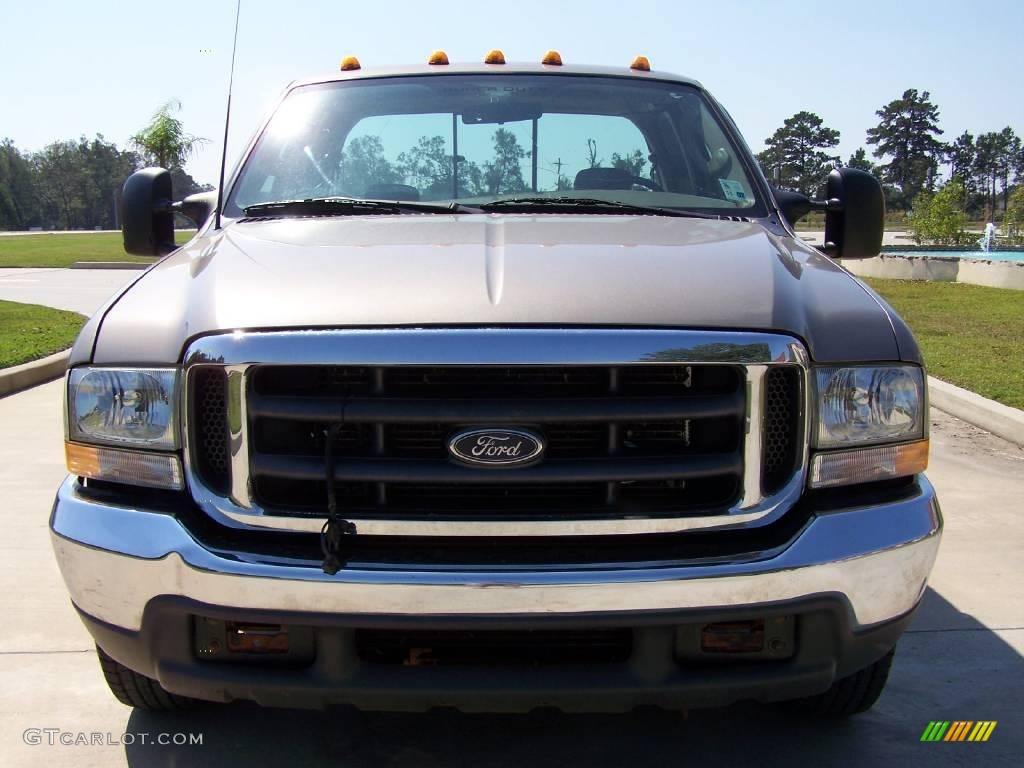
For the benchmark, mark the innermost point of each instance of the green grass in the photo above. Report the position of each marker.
(29, 331)
(970, 335)
(65, 250)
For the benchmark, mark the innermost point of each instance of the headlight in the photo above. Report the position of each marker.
(869, 405)
(128, 408)
(135, 409)
(876, 413)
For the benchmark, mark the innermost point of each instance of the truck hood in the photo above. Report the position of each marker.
(494, 270)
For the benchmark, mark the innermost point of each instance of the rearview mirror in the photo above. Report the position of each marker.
(489, 114)
(855, 214)
(147, 217)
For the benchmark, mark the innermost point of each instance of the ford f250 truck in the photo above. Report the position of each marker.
(495, 387)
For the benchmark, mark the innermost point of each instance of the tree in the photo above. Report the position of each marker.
(963, 156)
(997, 157)
(61, 180)
(633, 163)
(794, 152)
(164, 142)
(104, 168)
(860, 160)
(20, 206)
(771, 164)
(593, 161)
(939, 217)
(363, 163)
(428, 166)
(1013, 221)
(504, 173)
(906, 135)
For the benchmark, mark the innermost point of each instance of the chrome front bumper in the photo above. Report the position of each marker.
(116, 559)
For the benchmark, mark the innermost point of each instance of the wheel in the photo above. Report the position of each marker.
(135, 690)
(850, 695)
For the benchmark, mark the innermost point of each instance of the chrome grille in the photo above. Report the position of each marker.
(649, 439)
(648, 431)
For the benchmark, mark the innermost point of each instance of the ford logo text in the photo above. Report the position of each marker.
(496, 447)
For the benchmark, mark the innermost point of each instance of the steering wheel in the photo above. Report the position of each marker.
(648, 184)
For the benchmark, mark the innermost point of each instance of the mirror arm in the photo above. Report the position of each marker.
(832, 204)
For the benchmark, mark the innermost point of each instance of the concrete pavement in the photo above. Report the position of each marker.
(78, 290)
(961, 661)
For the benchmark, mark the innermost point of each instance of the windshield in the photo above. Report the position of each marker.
(476, 139)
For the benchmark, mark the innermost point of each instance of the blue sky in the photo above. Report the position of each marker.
(103, 67)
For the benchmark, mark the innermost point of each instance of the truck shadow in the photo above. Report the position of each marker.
(949, 667)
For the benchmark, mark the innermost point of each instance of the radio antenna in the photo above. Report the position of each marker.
(227, 119)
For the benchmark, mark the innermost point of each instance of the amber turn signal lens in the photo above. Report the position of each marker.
(552, 58)
(865, 465)
(438, 57)
(641, 64)
(153, 470)
(350, 63)
(494, 57)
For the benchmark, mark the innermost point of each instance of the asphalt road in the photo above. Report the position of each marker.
(961, 661)
(79, 290)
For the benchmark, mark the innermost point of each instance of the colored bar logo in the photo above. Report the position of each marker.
(958, 730)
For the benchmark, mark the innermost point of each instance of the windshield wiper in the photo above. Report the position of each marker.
(592, 204)
(349, 206)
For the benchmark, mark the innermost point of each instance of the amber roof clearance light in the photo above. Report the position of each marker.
(350, 63)
(552, 59)
(641, 64)
(494, 57)
(438, 58)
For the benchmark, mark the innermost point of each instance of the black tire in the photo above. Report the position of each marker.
(850, 695)
(135, 690)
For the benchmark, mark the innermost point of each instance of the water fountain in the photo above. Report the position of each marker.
(988, 239)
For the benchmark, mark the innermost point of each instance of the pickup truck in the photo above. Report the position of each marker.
(497, 386)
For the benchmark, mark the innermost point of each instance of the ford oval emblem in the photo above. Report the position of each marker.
(496, 448)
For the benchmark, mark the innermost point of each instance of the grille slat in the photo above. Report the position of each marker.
(564, 471)
(388, 410)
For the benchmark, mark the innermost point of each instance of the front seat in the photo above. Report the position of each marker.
(603, 178)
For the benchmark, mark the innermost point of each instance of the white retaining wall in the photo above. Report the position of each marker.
(995, 274)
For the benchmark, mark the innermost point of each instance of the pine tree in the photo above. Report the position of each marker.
(963, 156)
(794, 158)
(906, 135)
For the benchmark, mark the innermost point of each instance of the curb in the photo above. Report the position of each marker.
(31, 374)
(999, 419)
(111, 265)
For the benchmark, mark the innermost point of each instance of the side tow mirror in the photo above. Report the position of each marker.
(147, 218)
(854, 215)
